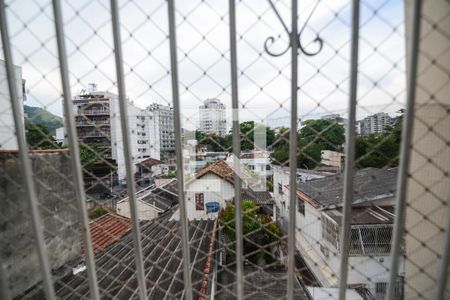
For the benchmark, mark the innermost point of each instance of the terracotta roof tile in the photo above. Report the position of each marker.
(219, 168)
(150, 162)
(107, 229)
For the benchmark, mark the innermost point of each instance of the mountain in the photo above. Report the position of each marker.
(38, 115)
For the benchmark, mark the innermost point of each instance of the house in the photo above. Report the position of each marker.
(152, 201)
(319, 221)
(146, 170)
(258, 161)
(162, 257)
(213, 186)
(281, 187)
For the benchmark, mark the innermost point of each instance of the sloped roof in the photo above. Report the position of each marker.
(160, 202)
(369, 184)
(107, 229)
(219, 168)
(257, 197)
(365, 215)
(150, 162)
(162, 253)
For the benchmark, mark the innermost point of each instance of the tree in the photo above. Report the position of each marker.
(261, 233)
(38, 137)
(313, 137)
(326, 133)
(249, 129)
(247, 133)
(280, 146)
(377, 151)
(90, 154)
(380, 150)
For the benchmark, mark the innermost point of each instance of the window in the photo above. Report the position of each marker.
(301, 206)
(371, 240)
(199, 201)
(380, 290)
(330, 231)
(280, 188)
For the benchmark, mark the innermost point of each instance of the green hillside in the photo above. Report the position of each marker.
(38, 115)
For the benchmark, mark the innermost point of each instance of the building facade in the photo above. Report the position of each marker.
(319, 221)
(212, 117)
(97, 119)
(375, 124)
(336, 118)
(8, 139)
(163, 115)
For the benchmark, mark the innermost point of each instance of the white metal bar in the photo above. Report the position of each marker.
(127, 150)
(292, 154)
(74, 150)
(25, 163)
(178, 149)
(349, 153)
(405, 148)
(236, 152)
(445, 260)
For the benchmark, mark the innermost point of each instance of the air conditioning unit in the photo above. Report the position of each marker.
(324, 249)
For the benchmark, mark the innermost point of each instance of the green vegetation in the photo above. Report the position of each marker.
(380, 150)
(172, 174)
(90, 154)
(99, 211)
(40, 116)
(262, 235)
(38, 137)
(247, 131)
(269, 185)
(313, 137)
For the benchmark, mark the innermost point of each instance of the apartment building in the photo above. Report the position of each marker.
(164, 116)
(8, 139)
(375, 124)
(212, 117)
(319, 221)
(97, 119)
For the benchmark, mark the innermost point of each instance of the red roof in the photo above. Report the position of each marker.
(150, 162)
(219, 168)
(107, 229)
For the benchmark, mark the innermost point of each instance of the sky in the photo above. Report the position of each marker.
(203, 55)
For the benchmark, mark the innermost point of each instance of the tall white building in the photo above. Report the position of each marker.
(212, 117)
(164, 114)
(98, 122)
(376, 123)
(8, 139)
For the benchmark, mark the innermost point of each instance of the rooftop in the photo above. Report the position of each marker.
(369, 184)
(107, 229)
(257, 197)
(219, 168)
(382, 215)
(162, 252)
(150, 162)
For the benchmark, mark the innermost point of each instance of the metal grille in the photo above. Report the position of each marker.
(224, 149)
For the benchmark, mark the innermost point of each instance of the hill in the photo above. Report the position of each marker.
(38, 115)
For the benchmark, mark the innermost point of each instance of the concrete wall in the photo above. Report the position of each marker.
(428, 184)
(214, 189)
(59, 213)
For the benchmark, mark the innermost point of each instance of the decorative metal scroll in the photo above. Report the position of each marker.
(271, 40)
